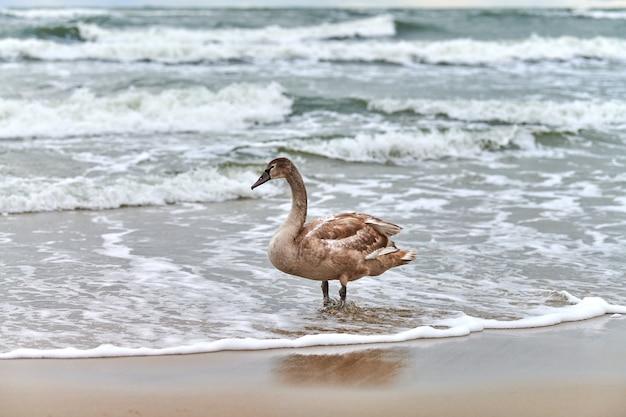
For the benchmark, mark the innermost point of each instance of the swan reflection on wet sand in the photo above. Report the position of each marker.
(363, 368)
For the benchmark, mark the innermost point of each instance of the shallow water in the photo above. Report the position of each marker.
(129, 140)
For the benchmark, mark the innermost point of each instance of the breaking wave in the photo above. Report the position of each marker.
(27, 195)
(137, 111)
(410, 146)
(340, 42)
(571, 115)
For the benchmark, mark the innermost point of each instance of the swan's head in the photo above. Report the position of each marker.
(277, 168)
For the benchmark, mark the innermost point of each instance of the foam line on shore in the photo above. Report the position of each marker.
(584, 309)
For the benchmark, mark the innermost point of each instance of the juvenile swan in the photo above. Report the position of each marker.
(344, 246)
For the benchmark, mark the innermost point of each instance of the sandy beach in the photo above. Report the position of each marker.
(576, 369)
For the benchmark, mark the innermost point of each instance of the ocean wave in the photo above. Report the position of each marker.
(550, 14)
(378, 26)
(600, 14)
(403, 147)
(191, 109)
(65, 32)
(571, 115)
(47, 14)
(182, 46)
(40, 194)
(585, 309)
(532, 49)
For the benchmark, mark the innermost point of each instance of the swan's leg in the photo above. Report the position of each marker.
(342, 294)
(325, 293)
(344, 289)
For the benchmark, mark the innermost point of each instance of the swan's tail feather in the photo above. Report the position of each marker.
(408, 256)
(382, 251)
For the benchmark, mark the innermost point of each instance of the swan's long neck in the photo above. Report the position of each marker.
(282, 250)
(297, 216)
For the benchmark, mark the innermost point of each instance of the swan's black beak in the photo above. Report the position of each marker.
(262, 179)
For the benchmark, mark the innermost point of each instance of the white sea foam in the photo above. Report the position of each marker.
(570, 115)
(476, 52)
(364, 28)
(190, 109)
(584, 309)
(175, 46)
(20, 195)
(409, 146)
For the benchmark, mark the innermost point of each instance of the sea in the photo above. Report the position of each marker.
(129, 139)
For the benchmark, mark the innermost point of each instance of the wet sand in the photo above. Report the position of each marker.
(576, 369)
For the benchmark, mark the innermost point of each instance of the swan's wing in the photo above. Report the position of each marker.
(337, 226)
(352, 231)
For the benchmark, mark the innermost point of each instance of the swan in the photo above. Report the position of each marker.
(342, 247)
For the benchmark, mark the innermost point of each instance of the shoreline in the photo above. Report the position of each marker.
(582, 310)
(572, 369)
